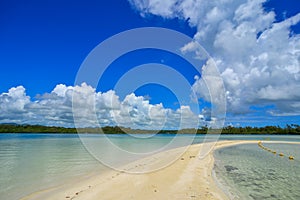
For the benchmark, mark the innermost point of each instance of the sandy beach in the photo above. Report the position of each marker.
(189, 177)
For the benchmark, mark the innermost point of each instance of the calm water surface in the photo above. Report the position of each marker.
(248, 172)
(33, 162)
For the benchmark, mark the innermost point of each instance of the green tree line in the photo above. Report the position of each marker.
(16, 128)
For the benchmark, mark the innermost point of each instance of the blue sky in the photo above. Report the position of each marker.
(43, 44)
(46, 41)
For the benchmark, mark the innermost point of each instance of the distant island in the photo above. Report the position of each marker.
(292, 129)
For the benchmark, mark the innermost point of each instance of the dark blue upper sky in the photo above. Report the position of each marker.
(43, 42)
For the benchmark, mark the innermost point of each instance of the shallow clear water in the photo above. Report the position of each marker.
(249, 172)
(33, 162)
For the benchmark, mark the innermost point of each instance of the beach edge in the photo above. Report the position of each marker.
(188, 177)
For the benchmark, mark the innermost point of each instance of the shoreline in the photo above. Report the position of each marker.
(189, 177)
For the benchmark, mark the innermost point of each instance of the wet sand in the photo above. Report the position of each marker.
(188, 177)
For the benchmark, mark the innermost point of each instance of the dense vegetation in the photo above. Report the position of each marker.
(15, 128)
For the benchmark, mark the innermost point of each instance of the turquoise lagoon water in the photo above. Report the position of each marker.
(249, 172)
(33, 162)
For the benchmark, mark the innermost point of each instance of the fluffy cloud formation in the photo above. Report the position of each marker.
(91, 108)
(258, 58)
(14, 103)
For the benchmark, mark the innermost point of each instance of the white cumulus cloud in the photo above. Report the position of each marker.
(91, 108)
(258, 57)
(13, 105)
